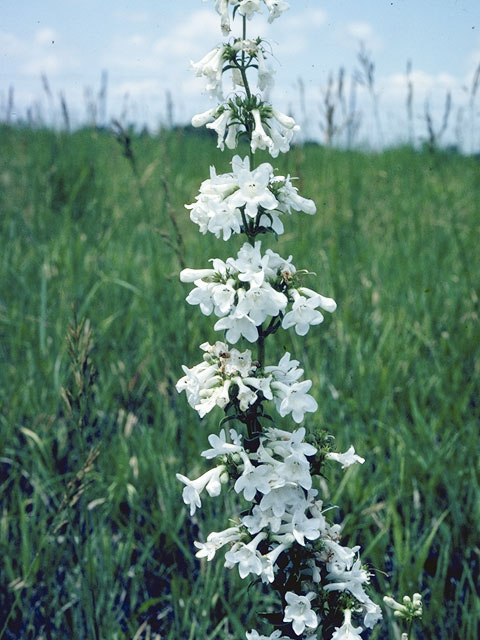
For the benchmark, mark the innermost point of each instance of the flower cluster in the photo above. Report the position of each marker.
(265, 127)
(246, 200)
(226, 57)
(287, 513)
(228, 376)
(282, 536)
(409, 609)
(247, 290)
(270, 129)
(248, 8)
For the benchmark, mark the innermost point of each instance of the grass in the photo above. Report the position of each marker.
(94, 539)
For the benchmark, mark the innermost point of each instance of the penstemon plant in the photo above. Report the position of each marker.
(282, 536)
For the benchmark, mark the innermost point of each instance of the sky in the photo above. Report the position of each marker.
(145, 47)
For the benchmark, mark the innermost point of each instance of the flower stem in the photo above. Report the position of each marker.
(261, 347)
(243, 72)
(243, 66)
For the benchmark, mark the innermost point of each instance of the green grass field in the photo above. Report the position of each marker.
(95, 541)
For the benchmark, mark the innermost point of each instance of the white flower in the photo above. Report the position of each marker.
(262, 302)
(218, 185)
(223, 220)
(268, 563)
(276, 8)
(236, 325)
(210, 66)
(289, 198)
(239, 362)
(343, 579)
(294, 399)
(286, 443)
(372, 613)
(304, 310)
(247, 557)
(209, 481)
(261, 384)
(249, 7)
(211, 212)
(220, 446)
(285, 121)
(253, 189)
(236, 438)
(246, 396)
(231, 139)
(281, 138)
(295, 469)
(327, 304)
(261, 518)
(211, 397)
(202, 118)
(303, 527)
(280, 498)
(219, 125)
(249, 46)
(338, 554)
(216, 540)
(202, 295)
(251, 265)
(260, 139)
(346, 459)
(302, 315)
(347, 631)
(286, 370)
(281, 129)
(191, 275)
(194, 380)
(299, 612)
(222, 8)
(253, 479)
(278, 264)
(223, 296)
(265, 75)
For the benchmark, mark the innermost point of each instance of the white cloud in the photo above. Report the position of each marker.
(169, 54)
(136, 40)
(137, 89)
(192, 37)
(292, 35)
(311, 18)
(10, 45)
(42, 53)
(133, 17)
(395, 85)
(47, 63)
(45, 36)
(362, 32)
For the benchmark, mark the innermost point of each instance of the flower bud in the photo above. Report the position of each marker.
(202, 118)
(191, 275)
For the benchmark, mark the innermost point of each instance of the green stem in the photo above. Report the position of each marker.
(243, 66)
(409, 630)
(243, 71)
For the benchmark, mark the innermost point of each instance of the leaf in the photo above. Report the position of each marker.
(425, 548)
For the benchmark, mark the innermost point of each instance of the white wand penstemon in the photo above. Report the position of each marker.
(283, 538)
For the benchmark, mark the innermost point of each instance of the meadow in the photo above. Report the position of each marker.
(95, 541)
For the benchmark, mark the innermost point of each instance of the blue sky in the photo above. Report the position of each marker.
(146, 45)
